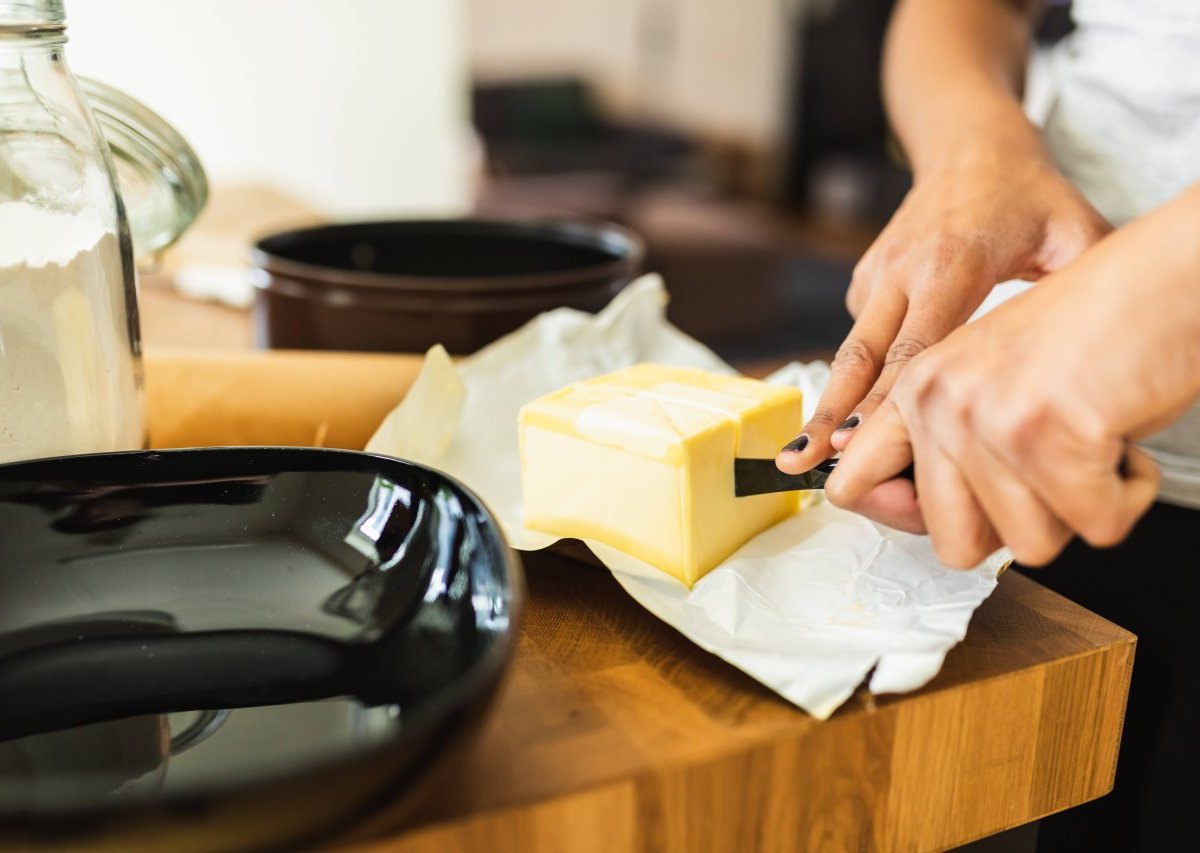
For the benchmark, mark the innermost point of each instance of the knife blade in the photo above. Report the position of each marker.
(762, 477)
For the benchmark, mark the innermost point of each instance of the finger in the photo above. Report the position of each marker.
(893, 504)
(1081, 479)
(858, 294)
(1118, 497)
(949, 513)
(959, 528)
(855, 368)
(929, 320)
(880, 451)
(1141, 479)
(1020, 518)
(843, 435)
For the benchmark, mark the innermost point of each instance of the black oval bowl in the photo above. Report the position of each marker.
(236, 649)
(405, 286)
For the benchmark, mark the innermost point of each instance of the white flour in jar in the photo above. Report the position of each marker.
(69, 382)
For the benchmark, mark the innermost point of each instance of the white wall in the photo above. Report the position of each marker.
(356, 107)
(723, 72)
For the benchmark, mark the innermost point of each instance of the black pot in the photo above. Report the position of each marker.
(405, 286)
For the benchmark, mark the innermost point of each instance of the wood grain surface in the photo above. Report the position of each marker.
(198, 398)
(615, 733)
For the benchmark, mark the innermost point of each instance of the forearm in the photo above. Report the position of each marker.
(953, 74)
(1157, 255)
(1177, 224)
(1156, 261)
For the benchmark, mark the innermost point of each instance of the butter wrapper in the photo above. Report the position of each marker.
(810, 607)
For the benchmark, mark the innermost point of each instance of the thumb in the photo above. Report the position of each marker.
(881, 450)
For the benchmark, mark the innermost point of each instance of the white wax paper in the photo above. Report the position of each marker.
(808, 607)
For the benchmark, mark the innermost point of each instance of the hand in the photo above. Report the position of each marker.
(1003, 214)
(1018, 423)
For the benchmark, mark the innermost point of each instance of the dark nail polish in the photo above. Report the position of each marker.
(851, 422)
(797, 444)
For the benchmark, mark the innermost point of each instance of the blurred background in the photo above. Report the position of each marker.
(745, 140)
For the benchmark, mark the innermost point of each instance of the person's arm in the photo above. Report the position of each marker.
(987, 203)
(1020, 424)
(953, 75)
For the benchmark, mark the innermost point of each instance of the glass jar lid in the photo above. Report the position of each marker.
(160, 177)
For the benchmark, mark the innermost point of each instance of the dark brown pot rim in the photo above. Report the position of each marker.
(627, 250)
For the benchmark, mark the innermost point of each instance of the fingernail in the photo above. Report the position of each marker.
(851, 422)
(797, 444)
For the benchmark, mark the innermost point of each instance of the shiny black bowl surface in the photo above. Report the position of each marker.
(192, 640)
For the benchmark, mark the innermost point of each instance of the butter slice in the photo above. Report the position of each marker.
(642, 460)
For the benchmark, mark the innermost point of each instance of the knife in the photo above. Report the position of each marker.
(761, 477)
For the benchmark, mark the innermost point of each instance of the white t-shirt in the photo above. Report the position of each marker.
(1123, 123)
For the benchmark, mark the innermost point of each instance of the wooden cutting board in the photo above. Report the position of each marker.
(615, 733)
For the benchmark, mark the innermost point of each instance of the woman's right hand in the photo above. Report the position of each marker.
(996, 214)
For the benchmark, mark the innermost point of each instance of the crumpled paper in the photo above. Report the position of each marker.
(810, 607)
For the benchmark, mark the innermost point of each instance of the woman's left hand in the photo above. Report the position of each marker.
(1019, 424)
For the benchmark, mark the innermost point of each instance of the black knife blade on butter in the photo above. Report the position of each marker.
(761, 477)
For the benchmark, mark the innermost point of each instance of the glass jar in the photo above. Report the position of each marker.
(70, 353)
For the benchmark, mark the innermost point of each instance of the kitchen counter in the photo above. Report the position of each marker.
(613, 732)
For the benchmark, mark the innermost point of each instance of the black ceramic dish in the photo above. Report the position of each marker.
(407, 285)
(237, 648)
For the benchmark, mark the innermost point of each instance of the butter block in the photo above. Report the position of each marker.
(642, 460)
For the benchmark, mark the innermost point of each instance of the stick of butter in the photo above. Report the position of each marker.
(642, 460)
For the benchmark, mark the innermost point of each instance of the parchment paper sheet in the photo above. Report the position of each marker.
(808, 607)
